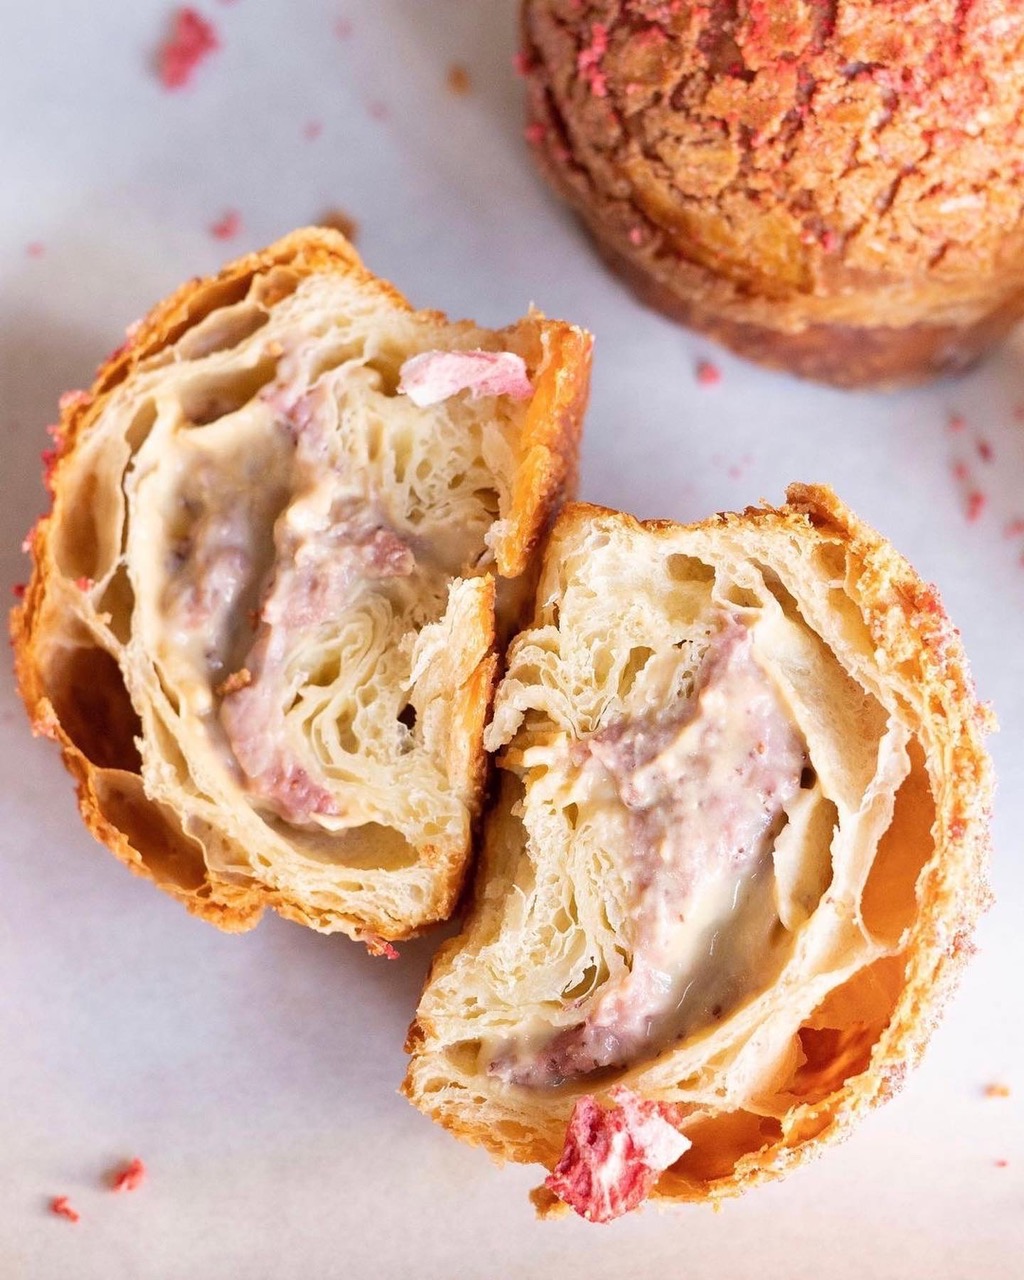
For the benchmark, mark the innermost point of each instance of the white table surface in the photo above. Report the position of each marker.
(256, 1075)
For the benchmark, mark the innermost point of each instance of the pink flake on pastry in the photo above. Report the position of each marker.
(434, 376)
(613, 1156)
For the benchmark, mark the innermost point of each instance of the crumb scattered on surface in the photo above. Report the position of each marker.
(458, 80)
(312, 130)
(59, 1205)
(957, 422)
(35, 249)
(18, 590)
(378, 111)
(227, 226)
(1001, 1164)
(131, 1177)
(379, 947)
(343, 28)
(708, 373)
(996, 1089)
(984, 451)
(339, 220)
(191, 40)
(976, 502)
(535, 134)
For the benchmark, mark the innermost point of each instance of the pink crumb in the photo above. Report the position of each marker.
(984, 451)
(1000, 1164)
(636, 235)
(1015, 528)
(535, 134)
(59, 1205)
(959, 469)
(312, 130)
(588, 61)
(35, 249)
(191, 40)
(343, 28)
(130, 1178)
(378, 946)
(84, 584)
(521, 64)
(708, 373)
(227, 226)
(829, 241)
(976, 501)
(434, 376)
(613, 1157)
(957, 422)
(378, 111)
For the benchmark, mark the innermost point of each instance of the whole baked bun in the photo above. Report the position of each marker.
(831, 188)
(733, 865)
(290, 519)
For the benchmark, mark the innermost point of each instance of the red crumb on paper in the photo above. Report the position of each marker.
(59, 1205)
(343, 28)
(984, 451)
(976, 501)
(996, 1090)
(613, 1157)
(1000, 1164)
(535, 134)
(434, 376)
(1015, 528)
(957, 422)
(227, 225)
(378, 111)
(522, 65)
(588, 61)
(35, 249)
(708, 374)
(378, 946)
(130, 1178)
(458, 80)
(959, 469)
(19, 589)
(191, 40)
(312, 130)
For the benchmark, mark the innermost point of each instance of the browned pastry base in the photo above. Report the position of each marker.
(878, 358)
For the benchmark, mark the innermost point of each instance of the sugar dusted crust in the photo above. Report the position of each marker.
(824, 190)
(85, 686)
(789, 1070)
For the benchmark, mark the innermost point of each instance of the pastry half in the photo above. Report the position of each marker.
(287, 519)
(733, 865)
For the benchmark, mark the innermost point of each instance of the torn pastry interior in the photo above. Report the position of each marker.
(736, 854)
(262, 613)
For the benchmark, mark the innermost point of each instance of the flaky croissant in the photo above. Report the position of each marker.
(261, 615)
(731, 872)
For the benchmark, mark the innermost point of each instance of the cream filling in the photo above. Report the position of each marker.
(696, 797)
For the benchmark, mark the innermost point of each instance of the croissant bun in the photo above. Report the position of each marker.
(261, 616)
(730, 875)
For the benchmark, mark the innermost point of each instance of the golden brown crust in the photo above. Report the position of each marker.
(95, 724)
(786, 182)
(855, 1051)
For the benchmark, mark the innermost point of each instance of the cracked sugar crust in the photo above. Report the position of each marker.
(792, 164)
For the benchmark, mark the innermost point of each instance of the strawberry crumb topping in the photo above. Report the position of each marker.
(191, 40)
(379, 947)
(131, 1177)
(708, 374)
(975, 505)
(613, 1156)
(535, 134)
(84, 584)
(227, 226)
(588, 62)
(434, 376)
(59, 1205)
